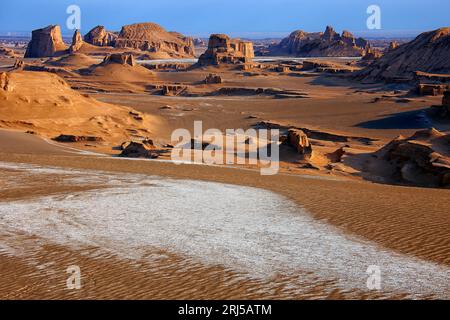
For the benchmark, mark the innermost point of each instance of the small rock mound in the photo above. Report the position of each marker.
(138, 150)
(120, 58)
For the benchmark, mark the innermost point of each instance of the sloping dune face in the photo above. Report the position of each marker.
(45, 103)
(252, 232)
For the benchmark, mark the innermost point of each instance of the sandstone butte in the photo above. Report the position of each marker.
(153, 38)
(321, 44)
(224, 50)
(46, 42)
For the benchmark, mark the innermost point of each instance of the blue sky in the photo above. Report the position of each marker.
(246, 18)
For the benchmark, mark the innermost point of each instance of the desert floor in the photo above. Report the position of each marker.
(232, 234)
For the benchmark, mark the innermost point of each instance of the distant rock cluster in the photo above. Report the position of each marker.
(149, 37)
(318, 44)
(224, 50)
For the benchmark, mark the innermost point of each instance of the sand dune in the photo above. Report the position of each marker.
(45, 104)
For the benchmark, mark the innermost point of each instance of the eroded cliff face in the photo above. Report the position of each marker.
(429, 52)
(45, 42)
(153, 38)
(224, 50)
(318, 44)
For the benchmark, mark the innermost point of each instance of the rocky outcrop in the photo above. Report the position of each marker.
(19, 65)
(69, 138)
(4, 81)
(418, 160)
(429, 89)
(299, 140)
(120, 58)
(138, 150)
(429, 52)
(153, 38)
(6, 52)
(224, 50)
(318, 44)
(372, 54)
(77, 42)
(98, 36)
(213, 79)
(392, 46)
(46, 42)
(446, 100)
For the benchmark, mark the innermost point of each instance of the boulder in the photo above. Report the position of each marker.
(120, 58)
(46, 42)
(153, 38)
(299, 140)
(77, 42)
(98, 36)
(224, 50)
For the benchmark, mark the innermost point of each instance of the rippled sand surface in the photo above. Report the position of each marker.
(190, 239)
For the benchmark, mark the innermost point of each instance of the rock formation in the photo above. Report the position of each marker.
(419, 159)
(46, 42)
(4, 81)
(372, 54)
(98, 36)
(326, 44)
(392, 46)
(429, 52)
(213, 78)
(6, 52)
(120, 58)
(299, 140)
(153, 38)
(224, 50)
(77, 42)
(138, 150)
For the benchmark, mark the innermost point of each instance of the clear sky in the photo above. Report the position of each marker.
(246, 18)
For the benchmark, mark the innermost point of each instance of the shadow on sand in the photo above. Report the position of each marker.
(416, 119)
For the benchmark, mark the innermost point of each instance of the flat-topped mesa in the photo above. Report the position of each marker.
(77, 42)
(46, 42)
(224, 50)
(120, 58)
(98, 36)
(318, 44)
(153, 38)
